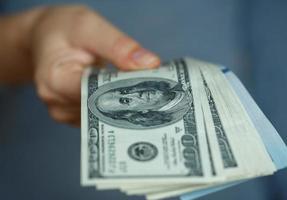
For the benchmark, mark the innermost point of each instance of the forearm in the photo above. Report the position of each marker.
(16, 64)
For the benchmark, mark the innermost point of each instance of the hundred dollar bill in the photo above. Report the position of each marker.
(249, 155)
(214, 118)
(215, 98)
(142, 126)
(242, 132)
(219, 135)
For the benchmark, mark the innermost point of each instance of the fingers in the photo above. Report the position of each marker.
(68, 39)
(61, 108)
(102, 38)
(59, 77)
(69, 115)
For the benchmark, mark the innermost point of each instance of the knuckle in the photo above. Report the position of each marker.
(80, 8)
(123, 47)
(54, 77)
(57, 115)
(45, 94)
(43, 86)
(82, 15)
(63, 114)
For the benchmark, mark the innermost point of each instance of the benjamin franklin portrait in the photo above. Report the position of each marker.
(140, 103)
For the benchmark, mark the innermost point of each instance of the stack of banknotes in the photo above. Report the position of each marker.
(187, 127)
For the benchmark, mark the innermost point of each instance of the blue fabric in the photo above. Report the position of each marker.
(39, 159)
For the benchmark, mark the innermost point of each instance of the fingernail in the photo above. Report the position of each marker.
(145, 59)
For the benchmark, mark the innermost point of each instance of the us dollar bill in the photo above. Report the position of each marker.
(243, 137)
(142, 126)
(218, 134)
(226, 151)
(230, 128)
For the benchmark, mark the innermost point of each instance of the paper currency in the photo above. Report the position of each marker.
(143, 127)
(167, 131)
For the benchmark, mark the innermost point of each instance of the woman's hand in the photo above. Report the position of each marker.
(62, 41)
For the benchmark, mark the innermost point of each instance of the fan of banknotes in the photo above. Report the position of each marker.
(168, 131)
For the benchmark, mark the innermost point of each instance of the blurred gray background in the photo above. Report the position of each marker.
(40, 159)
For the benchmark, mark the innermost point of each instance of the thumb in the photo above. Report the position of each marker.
(103, 39)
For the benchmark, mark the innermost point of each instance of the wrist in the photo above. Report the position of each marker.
(15, 54)
(26, 22)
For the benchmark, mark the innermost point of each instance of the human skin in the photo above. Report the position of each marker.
(51, 46)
